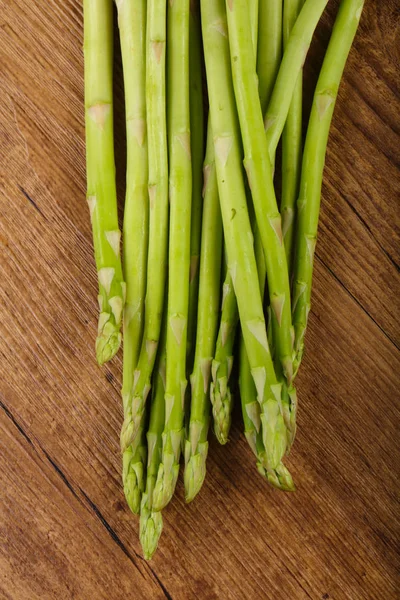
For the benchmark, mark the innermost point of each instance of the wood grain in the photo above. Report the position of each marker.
(65, 530)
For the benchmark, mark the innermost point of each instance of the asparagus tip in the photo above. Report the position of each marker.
(133, 481)
(127, 433)
(221, 400)
(280, 477)
(167, 477)
(195, 470)
(274, 433)
(108, 342)
(150, 528)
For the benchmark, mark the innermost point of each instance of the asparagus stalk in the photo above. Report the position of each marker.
(291, 141)
(132, 28)
(268, 52)
(254, 9)
(197, 148)
(308, 204)
(259, 174)
(296, 50)
(221, 397)
(180, 184)
(196, 445)
(237, 229)
(100, 167)
(151, 522)
(158, 222)
(269, 48)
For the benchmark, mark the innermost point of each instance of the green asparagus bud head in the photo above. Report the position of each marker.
(273, 432)
(195, 469)
(168, 470)
(280, 478)
(150, 528)
(108, 341)
(133, 479)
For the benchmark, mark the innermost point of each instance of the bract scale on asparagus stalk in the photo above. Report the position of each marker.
(100, 173)
(180, 192)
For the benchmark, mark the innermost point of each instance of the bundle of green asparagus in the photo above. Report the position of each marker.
(211, 253)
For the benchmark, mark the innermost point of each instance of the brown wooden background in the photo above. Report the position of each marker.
(65, 530)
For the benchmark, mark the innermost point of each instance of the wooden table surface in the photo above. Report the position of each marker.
(65, 529)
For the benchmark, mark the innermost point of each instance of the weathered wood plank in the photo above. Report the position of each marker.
(62, 512)
(53, 546)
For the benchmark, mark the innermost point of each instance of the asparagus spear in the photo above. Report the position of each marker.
(196, 445)
(158, 223)
(197, 148)
(237, 229)
(101, 190)
(291, 141)
(269, 48)
(151, 522)
(308, 204)
(221, 397)
(268, 55)
(180, 184)
(254, 9)
(259, 174)
(132, 28)
(293, 59)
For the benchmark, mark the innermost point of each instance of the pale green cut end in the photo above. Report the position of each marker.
(108, 342)
(151, 525)
(195, 471)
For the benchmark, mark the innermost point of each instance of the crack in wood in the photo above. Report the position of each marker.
(89, 505)
(327, 267)
(31, 201)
